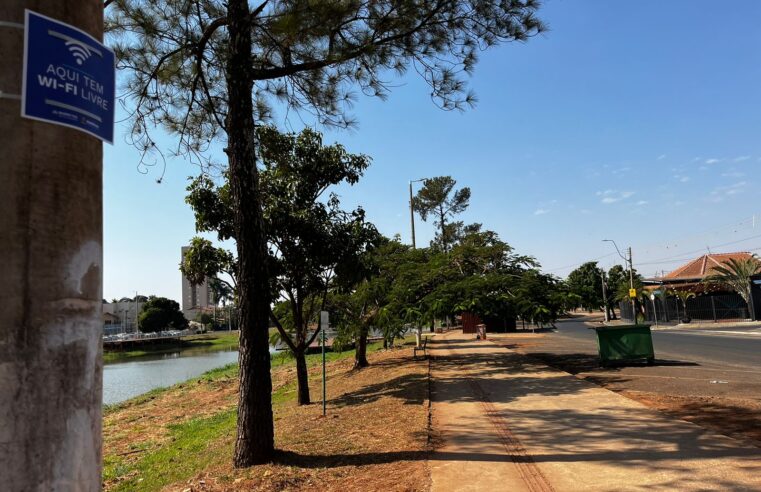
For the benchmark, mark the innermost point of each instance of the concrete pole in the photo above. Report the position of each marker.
(631, 286)
(604, 295)
(51, 290)
(412, 217)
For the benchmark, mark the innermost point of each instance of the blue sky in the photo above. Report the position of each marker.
(635, 121)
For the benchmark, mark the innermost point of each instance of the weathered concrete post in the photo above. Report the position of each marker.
(50, 279)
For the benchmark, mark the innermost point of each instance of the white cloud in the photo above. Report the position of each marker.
(681, 178)
(661, 157)
(621, 170)
(713, 161)
(721, 192)
(742, 158)
(642, 202)
(541, 211)
(733, 174)
(613, 196)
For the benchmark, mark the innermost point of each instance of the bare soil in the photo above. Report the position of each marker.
(374, 438)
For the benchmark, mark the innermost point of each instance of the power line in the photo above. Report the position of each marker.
(671, 244)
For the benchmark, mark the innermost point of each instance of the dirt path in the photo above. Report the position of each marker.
(504, 422)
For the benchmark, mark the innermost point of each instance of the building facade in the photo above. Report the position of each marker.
(195, 298)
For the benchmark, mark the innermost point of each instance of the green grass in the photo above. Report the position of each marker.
(186, 453)
(200, 442)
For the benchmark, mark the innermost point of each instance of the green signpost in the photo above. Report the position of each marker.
(323, 328)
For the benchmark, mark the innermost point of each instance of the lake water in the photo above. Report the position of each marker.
(125, 380)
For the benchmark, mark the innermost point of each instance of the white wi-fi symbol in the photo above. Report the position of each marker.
(80, 51)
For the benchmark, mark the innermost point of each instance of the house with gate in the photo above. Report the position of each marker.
(683, 294)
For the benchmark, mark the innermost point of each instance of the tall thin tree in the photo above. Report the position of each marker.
(438, 197)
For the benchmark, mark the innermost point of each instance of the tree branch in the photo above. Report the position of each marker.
(283, 334)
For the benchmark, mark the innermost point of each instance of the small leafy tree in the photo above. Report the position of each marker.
(160, 313)
(586, 282)
(308, 234)
(438, 198)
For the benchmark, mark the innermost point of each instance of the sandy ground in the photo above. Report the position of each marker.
(678, 389)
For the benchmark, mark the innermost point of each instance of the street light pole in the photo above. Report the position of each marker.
(412, 217)
(412, 211)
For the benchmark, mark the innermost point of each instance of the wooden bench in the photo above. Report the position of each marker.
(421, 348)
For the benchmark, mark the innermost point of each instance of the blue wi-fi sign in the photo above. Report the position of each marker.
(69, 77)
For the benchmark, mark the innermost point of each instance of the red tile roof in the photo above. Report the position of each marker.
(703, 266)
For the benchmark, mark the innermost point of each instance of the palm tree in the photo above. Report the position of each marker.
(684, 296)
(736, 274)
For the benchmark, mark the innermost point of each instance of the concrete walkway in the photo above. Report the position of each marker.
(505, 422)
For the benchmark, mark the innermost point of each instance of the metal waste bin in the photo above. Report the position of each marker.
(624, 343)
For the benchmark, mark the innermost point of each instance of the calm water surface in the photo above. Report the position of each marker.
(125, 380)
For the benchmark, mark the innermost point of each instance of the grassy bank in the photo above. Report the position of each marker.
(221, 340)
(375, 436)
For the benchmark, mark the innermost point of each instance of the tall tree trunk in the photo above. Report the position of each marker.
(302, 376)
(255, 443)
(51, 231)
(360, 353)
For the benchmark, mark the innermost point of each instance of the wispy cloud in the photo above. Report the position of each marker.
(541, 211)
(741, 158)
(733, 174)
(642, 202)
(661, 157)
(713, 160)
(721, 192)
(612, 196)
(621, 170)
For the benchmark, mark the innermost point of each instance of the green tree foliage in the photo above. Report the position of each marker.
(208, 69)
(202, 261)
(438, 198)
(736, 274)
(308, 233)
(586, 282)
(205, 319)
(160, 313)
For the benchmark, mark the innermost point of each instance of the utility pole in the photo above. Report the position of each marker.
(604, 295)
(631, 274)
(412, 217)
(51, 237)
(631, 286)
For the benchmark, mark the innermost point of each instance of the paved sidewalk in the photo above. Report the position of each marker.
(506, 422)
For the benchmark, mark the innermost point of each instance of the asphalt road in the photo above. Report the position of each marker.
(740, 348)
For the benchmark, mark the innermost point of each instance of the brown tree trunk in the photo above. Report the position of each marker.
(360, 353)
(51, 227)
(255, 443)
(302, 376)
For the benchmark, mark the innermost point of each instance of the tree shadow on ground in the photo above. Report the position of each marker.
(406, 388)
(576, 363)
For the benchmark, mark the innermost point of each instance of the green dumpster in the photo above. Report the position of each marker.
(624, 343)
